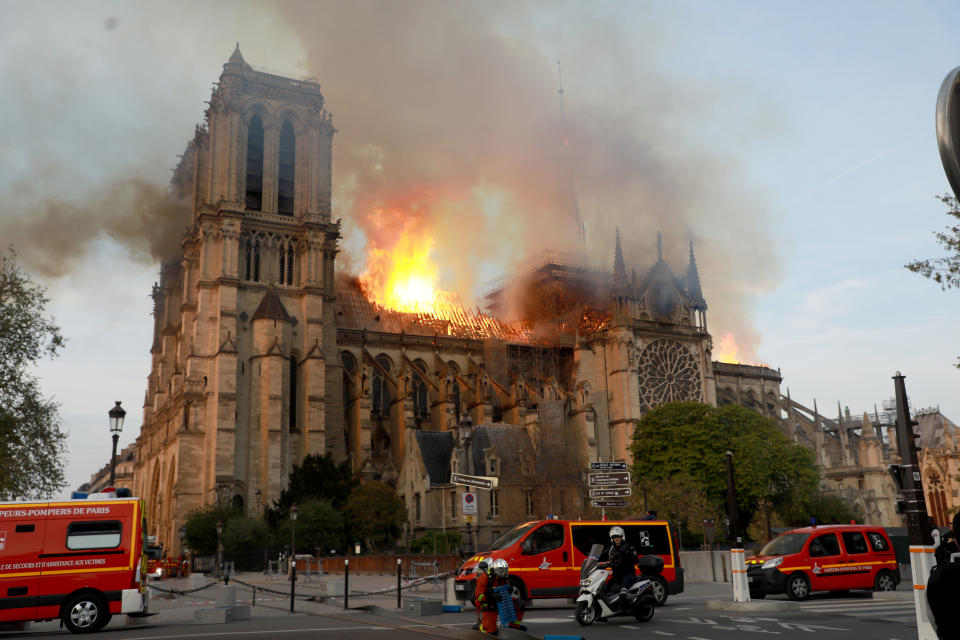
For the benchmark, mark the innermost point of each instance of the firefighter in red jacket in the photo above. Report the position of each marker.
(482, 567)
(485, 598)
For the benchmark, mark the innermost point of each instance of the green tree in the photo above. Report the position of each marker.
(31, 439)
(436, 542)
(375, 514)
(243, 532)
(823, 508)
(201, 526)
(319, 527)
(318, 477)
(690, 440)
(944, 271)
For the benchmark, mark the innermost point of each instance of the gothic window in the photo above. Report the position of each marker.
(286, 263)
(416, 502)
(286, 173)
(419, 392)
(496, 407)
(292, 419)
(381, 392)
(495, 504)
(455, 391)
(380, 411)
(251, 260)
(668, 372)
(937, 501)
(255, 164)
(529, 502)
(453, 505)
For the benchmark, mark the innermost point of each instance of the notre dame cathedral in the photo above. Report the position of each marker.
(264, 353)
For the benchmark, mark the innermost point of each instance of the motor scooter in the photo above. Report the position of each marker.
(596, 603)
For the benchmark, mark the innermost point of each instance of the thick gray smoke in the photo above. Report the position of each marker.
(450, 112)
(449, 121)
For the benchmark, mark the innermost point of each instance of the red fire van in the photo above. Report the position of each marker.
(544, 556)
(824, 558)
(77, 560)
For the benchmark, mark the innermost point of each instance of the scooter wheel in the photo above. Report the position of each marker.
(644, 611)
(586, 614)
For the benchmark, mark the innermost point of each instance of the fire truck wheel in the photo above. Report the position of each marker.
(85, 613)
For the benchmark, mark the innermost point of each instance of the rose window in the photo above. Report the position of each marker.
(668, 372)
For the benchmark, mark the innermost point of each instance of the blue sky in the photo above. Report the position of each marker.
(794, 142)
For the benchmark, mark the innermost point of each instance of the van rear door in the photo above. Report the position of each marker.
(20, 542)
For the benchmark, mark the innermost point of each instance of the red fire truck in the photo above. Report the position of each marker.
(81, 561)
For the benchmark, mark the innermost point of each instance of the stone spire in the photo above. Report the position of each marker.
(619, 268)
(693, 283)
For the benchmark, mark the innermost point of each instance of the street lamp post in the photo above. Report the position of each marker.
(293, 553)
(219, 549)
(465, 430)
(116, 426)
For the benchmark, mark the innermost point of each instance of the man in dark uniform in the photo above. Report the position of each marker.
(622, 559)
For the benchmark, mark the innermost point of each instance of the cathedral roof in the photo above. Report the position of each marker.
(271, 308)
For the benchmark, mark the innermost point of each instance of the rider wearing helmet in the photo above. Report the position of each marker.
(621, 558)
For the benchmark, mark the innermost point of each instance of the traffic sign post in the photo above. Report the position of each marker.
(603, 504)
(608, 466)
(609, 479)
(613, 492)
(468, 503)
(480, 482)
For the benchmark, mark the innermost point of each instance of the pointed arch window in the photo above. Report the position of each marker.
(381, 392)
(251, 260)
(455, 395)
(254, 199)
(419, 392)
(288, 152)
(285, 255)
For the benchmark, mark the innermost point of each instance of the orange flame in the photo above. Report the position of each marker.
(403, 277)
(727, 350)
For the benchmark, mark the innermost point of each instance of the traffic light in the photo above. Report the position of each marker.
(896, 472)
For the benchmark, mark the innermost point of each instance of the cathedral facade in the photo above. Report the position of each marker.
(263, 353)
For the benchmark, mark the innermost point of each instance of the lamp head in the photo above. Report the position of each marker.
(219, 527)
(116, 418)
(294, 510)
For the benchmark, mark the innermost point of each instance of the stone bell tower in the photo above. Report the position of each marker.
(244, 355)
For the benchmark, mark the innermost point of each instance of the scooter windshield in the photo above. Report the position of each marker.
(590, 562)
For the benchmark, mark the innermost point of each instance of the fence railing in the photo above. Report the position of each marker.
(411, 565)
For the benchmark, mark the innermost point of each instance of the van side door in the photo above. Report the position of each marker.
(545, 548)
(860, 568)
(20, 545)
(827, 563)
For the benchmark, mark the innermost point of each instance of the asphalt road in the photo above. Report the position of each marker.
(684, 617)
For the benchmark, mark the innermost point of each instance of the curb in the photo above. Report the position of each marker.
(753, 605)
(892, 595)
